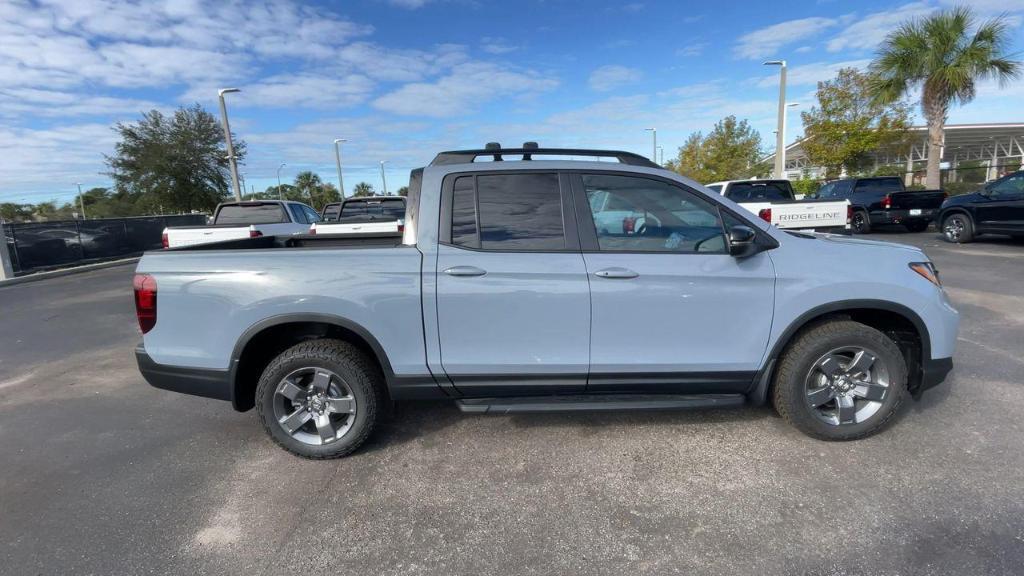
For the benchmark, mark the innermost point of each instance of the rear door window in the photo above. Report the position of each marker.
(508, 212)
(251, 214)
(298, 216)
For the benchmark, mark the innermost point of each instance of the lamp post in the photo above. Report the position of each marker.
(782, 151)
(279, 196)
(654, 145)
(81, 201)
(337, 160)
(227, 137)
(383, 179)
(780, 137)
(661, 155)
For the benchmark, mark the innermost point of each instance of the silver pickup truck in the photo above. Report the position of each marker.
(505, 294)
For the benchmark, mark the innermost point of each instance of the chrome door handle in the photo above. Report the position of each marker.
(465, 271)
(616, 272)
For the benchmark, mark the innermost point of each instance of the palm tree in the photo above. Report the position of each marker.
(941, 56)
(308, 182)
(362, 189)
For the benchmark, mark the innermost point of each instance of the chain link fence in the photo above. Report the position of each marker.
(35, 246)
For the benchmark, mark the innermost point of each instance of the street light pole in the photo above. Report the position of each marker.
(783, 139)
(654, 146)
(227, 136)
(337, 160)
(661, 155)
(81, 201)
(279, 197)
(780, 137)
(383, 179)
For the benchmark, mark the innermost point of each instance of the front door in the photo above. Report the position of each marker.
(513, 299)
(671, 310)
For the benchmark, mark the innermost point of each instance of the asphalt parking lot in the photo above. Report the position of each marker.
(102, 474)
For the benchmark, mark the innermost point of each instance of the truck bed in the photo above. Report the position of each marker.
(367, 240)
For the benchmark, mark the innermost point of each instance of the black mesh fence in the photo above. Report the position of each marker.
(41, 245)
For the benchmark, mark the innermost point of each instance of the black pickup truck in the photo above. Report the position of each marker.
(884, 200)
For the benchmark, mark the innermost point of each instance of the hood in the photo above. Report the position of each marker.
(962, 199)
(843, 240)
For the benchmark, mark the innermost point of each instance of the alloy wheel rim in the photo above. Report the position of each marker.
(314, 406)
(847, 386)
(858, 221)
(954, 228)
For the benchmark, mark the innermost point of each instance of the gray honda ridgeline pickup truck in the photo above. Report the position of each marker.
(502, 295)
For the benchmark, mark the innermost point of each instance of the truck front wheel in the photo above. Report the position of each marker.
(840, 380)
(319, 399)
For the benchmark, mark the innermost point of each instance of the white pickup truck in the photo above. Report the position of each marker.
(235, 220)
(775, 202)
(370, 214)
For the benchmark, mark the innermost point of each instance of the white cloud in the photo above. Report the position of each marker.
(409, 4)
(299, 90)
(464, 89)
(868, 31)
(695, 49)
(52, 103)
(493, 45)
(612, 76)
(765, 42)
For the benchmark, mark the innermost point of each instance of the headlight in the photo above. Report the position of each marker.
(928, 271)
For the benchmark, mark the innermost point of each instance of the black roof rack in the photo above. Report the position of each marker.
(531, 149)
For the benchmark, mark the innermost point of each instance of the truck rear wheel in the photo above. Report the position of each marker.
(319, 399)
(840, 380)
(860, 222)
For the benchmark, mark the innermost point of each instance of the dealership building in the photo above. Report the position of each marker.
(988, 150)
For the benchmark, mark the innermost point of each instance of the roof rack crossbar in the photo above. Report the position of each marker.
(468, 156)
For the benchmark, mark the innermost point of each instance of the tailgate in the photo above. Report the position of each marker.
(357, 227)
(927, 199)
(193, 236)
(791, 215)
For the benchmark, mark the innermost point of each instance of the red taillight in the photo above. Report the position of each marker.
(765, 214)
(401, 228)
(312, 229)
(887, 202)
(849, 213)
(163, 239)
(145, 301)
(255, 233)
(628, 225)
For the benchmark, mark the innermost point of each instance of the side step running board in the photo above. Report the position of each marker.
(597, 403)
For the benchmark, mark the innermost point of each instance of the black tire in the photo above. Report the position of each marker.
(789, 388)
(360, 375)
(860, 223)
(958, 228)
(916, 225)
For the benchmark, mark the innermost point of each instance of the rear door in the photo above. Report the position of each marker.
(671, 310)
(1003, 207)
(513, 299)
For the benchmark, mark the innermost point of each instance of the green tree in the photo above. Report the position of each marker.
(178, 162)
(729, 151)
(943, 57)
(403, 191)
(12, 212)
(848, 124)
(307, 182)
(362, 189)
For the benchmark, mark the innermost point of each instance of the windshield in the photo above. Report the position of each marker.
(386, 208)
(250, 214)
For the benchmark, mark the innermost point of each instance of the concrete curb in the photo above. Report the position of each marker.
(66, 271)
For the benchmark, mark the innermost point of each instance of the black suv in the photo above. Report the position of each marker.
(998, 208)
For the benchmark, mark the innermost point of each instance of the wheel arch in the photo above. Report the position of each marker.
(264, 340)
(955, 210)
(899, 322)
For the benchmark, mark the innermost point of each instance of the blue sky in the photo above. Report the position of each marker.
(403, 79)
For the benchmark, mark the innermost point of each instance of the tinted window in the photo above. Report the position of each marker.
(386, 208)
(662, 217)
(331, 211)
(1010, 187)
(297, 214)
(879, 186)
(759, 191)
(251, 214)
(510, 212)
(464, 213)
(311, 215)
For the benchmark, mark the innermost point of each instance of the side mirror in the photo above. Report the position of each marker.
(742, 241)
